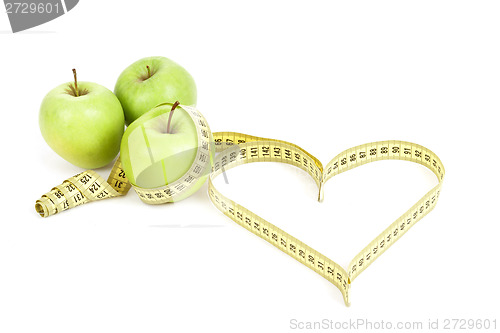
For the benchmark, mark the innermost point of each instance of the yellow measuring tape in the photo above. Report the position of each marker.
(235, 149)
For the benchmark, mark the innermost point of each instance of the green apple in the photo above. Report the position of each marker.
(152, 81)
(159, 148)
(83, 122)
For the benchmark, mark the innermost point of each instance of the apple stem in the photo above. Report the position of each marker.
(149, 72)
(77, 93)
(176, 104)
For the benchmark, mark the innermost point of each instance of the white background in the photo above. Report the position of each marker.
(325, 75)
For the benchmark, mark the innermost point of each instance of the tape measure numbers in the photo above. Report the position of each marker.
(235, 149)
(254, 149)
(89, 186)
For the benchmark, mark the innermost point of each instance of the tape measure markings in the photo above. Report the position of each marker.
(170, 192)
(282, 152)
(235, 149)
(344, 161)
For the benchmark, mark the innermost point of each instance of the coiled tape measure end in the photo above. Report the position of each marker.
(82, 188)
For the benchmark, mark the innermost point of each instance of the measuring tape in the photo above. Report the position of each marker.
(89, 186)
(235, 149)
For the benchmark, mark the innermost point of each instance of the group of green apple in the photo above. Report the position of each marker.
(84, 122)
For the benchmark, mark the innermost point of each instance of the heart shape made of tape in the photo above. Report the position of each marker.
(236, 149)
